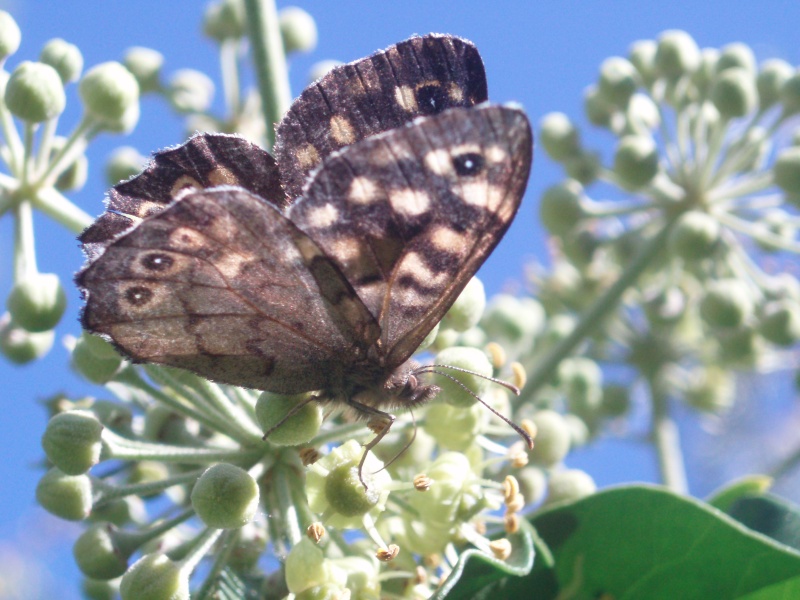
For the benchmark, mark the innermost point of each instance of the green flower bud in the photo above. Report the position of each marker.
(757, 146)
(72, 441)
(558, 327)
(584, 167)
(307, 568)
(552, 441)
(772, 76)
(37, 302)
(321, 68)
(470, 359)
(99, 554)
(250, 543)
(734, 93)
(780, 322)
(298, 29)
(636, 160)
(190, 91)
(65, 496)
(446, 337)
(89, 365)
(452, 476)
(559, 137)
(617, 80)
(145, 65)
(616, 400)
(677, 54)
(581, 380)
(598, 110)
(21, 346)
(298, 429)
(121, 511)
(642, 55)
(74, 176)
(155, 576)
(778, 223)
(561, 209)
(124, 163)
(64, 57)
(34, 92)
(737, 55)
(694, 236)
(642, 115)
(109, 93)
(666, 307)
(787, 170)
(513, 319)
(726, 303)
(532, 484)
(10, 35)
(224, 20)
(98, 347)
(454, 428)
(94, 589)
(710, 389)
(148, 471)
(334, 489)
(225, 496)
(430, 338)
(468, 307)
(569, 485)
(739, 348)
(790, 94)
(706, 71)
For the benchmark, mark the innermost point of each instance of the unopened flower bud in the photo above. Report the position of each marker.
(468, 308)
(706, 71)
(225, 496)
(787, 170)
(736, 55)
(34, 92)
(470, 359)
(552, 441)
(569, 485)
(224, 20)
(561, 209)
(642, 55)
(636, 160)
(66, 496)
(37, 302)
(124, 163)
(559, 136)
(617, 80)
(110, 94)
(72, 441)
(694, 236)
(734, 92)
(772, 76)
(190, 91)
(98, 554)
(710, 389)
(155, 576)
(298, 429)
(93, 368)
(727, 303)
(64, 57)
(10, 35)
(145, 65)
(584, 167)
(677, 54)
(780, 322)
(21, 346)
(790, 94)
(598, 110)
(298, 29)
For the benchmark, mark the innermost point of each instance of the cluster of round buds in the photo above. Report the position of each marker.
(708, 172)
(425, 490)
(40, 166)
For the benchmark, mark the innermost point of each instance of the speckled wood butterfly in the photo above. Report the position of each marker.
(324, 267)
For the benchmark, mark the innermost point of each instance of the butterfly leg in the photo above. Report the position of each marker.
(380, 423)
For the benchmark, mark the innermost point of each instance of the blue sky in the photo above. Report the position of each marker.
(541, 54)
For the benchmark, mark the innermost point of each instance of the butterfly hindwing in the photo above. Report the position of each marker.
(410, 215)
(222, 284)
(204, 161)
(419, 76)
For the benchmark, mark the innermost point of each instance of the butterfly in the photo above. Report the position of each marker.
(323, 268)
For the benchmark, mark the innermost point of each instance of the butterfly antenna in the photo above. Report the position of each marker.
(509, 386)
(406, 447)
(522, 433)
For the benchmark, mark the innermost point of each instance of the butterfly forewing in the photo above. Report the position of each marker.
(410, 215)
(206, 160)
(224, 285)
(419, 76)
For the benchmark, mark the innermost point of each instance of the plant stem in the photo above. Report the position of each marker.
(267, 47)
(56, 206)
(666, 438)
(540, 370)
(24, 247)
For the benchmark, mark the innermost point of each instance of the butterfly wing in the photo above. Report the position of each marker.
(204, 161)
(409, 216)
(223, 284)
(419, 76)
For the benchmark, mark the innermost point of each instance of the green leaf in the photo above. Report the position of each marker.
(770, 515)
(645, 542)
(749, 485)
(476, 574)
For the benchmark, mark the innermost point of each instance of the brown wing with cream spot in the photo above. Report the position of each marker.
(206, 160)
(410, 215)
(224, 285)
(419, 76)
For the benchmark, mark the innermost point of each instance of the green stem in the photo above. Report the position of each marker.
(24, 246)
(666, 438)
(228, 546)
(109, 492)
(281, 482)
(13, 140)
(46, 143)
(122, 448)
(27, 154)
(56, 206)
(229, 66)
(762, 234)
(267, 47)
(541, 370)
(199, 549)
(72, 149)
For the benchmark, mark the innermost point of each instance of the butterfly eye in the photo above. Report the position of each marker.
(431, 99)
(468, 164)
